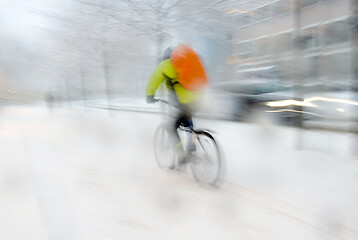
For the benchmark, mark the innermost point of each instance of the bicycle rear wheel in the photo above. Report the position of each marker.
(163, 148)
(206, 162)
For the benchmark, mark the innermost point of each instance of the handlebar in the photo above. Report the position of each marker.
(175, 105)
(161, 100)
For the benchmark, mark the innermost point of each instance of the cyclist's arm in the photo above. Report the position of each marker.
(158, 76)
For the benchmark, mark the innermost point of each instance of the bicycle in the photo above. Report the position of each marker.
(205, 158)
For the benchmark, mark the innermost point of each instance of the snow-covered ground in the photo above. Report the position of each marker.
(87, 174)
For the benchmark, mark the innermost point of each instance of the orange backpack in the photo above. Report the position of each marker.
(190, 71)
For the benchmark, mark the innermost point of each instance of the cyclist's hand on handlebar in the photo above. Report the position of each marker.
(150, 99)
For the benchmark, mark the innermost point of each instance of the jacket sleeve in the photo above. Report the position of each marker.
(155, 80)
(165, 68)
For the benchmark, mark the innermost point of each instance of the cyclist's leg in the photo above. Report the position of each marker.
(188, 122)
(184, 118)
(179, 120)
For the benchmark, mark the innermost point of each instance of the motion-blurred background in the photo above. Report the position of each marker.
(76, 157)
(102, 53)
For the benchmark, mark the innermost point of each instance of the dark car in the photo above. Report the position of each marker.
(247, 100)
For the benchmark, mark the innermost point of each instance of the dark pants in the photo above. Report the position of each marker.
(182, 118)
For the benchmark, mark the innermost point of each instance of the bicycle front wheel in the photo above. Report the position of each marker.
(206, 163)
(163, 148)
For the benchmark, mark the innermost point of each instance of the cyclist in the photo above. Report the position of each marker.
(184, 78)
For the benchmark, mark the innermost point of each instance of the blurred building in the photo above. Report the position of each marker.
(264, 41)
(208, 28)
(214, 50)
(3, 84)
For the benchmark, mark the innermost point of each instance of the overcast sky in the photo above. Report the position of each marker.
(18, 21)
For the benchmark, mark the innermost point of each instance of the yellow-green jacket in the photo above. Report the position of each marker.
(166, 72)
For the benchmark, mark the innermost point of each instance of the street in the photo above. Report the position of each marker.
(83, 174)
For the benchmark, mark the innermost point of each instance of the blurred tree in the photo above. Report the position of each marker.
(155, 19)
(95, 36)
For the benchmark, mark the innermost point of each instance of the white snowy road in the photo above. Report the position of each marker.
(72, 174)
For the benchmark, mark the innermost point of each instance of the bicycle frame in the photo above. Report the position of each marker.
(183, 128)
(197, 150)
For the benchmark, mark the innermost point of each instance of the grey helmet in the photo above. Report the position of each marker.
(167, 53)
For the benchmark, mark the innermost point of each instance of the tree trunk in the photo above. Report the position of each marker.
(83, 90)
(354, 64)
(68, 92)
(159, 45)
(298, 73)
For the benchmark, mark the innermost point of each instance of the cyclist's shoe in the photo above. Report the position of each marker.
(183, 159)
(180, 163)
(172, 166)
(192, 148)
